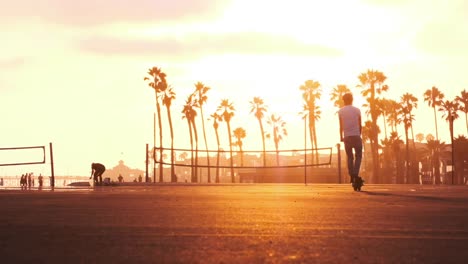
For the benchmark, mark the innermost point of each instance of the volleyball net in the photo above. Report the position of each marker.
(29, 155)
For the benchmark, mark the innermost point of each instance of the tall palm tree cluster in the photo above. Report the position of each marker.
(384, 154)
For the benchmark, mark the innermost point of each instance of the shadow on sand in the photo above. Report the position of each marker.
(416, 196)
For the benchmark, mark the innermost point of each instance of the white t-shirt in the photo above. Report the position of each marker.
(350, 117)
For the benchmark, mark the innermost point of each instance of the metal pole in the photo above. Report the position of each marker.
(147, 162)
(154, 147)
(453, 147)
(52, 183)
(339, 161)
(305, 151)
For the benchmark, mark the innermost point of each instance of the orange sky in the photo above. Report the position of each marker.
(72, 71)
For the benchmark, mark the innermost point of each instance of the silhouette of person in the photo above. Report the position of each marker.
(140, 179)
(350, 135)
(41, 180)
(120, 178)
(23, 181)
(29, 180)
(97, 169)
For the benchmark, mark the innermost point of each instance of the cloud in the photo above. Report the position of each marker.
(196, 45)
(392, 3)
(444, 39)
(12, 63)
(446, 34)
(97, 12)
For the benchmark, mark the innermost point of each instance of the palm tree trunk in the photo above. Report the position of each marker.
(191, 150)
(466, 121)
(196, 150)
(375, 137)
(452, 148)
(315, 144)
(241, 155)
(230, 151)
(173, 176)
(263, 141)
(385, 125)
(158, 107)
(206, 145)
(275, 138)
(435, 121)
(407, 156)
(436, 165)
(217, 158)
(311, 135)
(375, 151)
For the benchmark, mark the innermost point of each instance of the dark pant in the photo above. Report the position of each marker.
(354, 159)
(98, 176)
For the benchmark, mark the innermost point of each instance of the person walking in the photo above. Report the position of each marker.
(29, 180)
(41, 180)
(350, 135)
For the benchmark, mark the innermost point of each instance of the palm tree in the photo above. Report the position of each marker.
(408, 102)
(278, 131)
(391, 154)
(201, 90)
(189, 114)
(411, 102)
(366, 135)
(461, 153)
(430, 137)
(419, 137)
(311, 92)
(434, 97)
(239, 134)
(159, 84)
(387, 167)
(435, 148)
(366, 131)
(337, 94)
(195, 135)
(396, 143)
(183, 156)
(379, 110)
(168, 96)
(259, 109)
(216, 119)
(463, 102)
(385, 108)
(372, 83)
(392, 114)
(449, 110)
(226, 110)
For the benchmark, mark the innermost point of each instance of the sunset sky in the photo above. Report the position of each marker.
(72, 71)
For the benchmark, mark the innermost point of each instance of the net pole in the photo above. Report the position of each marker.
(52, 182)
(305, 151)
(338, 148)
(147, 162)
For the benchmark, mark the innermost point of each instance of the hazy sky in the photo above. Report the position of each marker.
(72, 71)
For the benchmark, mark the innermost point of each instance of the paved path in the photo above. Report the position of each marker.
(236, 224)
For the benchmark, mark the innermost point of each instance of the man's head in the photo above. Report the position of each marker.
(348, 98)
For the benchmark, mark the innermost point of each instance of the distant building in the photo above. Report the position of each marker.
(127, 173)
